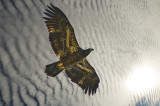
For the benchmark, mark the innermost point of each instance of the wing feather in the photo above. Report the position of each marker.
(61, 32)
(84, 75)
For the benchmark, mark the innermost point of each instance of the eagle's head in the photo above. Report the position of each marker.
(88, 51)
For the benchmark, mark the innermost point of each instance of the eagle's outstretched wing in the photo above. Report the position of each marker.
(84, 75)
(61, 32)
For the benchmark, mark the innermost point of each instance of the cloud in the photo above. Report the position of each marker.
(122, 34)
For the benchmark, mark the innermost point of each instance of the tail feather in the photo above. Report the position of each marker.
(53, 69)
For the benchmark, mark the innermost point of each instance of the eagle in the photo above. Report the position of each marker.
(72, 56)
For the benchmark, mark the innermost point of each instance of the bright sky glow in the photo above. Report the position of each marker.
(142, 79)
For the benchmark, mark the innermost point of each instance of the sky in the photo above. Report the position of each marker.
(125, 36)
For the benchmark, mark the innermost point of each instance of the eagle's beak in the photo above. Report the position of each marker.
(92, 49)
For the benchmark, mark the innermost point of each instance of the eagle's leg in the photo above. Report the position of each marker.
(60, 65)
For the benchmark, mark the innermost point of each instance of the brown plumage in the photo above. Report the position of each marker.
(72, 57)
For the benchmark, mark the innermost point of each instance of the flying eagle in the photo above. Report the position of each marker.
(72, 56)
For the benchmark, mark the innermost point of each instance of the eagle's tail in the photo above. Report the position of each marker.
(54, 69)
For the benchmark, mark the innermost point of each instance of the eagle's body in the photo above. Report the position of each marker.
(72, 59)
(72, 56)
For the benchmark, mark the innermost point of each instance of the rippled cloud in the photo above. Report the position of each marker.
(123, 34)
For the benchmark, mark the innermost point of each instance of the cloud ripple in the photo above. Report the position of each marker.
(120, 33)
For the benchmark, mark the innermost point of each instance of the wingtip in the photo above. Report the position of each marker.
(49, 7)
(52, 5)
(45, 13)
(51, 10)
(90, 91)
(48, 14)
(46, 9)
(46, 18)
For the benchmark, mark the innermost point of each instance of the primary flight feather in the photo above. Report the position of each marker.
(72, 56)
